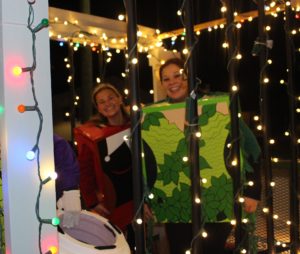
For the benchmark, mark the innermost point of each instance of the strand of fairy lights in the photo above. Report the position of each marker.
(274, 8)
(237, 56)
(34, 153)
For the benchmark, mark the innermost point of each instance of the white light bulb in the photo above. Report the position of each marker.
(250, 183)
(204, 234)
(265, 210)
(139, 221)
(204, 180)
(30, 155)
(134, 61)
(53, 175)
(135, 108)
(151, 196)
(185, 158)
(197, 200)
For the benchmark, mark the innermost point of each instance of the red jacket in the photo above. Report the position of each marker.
(106, 177)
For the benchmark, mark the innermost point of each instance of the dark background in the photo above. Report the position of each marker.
(211, 57)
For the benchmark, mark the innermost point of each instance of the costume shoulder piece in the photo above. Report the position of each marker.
(95, 132)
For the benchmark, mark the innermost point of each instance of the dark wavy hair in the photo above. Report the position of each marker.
(177, 61)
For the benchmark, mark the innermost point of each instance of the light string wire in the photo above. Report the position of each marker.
(37, 206)
(250, 226)
(262, 71)
(290, 42)
(193, 95)
(134, 128)
(36, 147)
(232, 57)
(191, 49)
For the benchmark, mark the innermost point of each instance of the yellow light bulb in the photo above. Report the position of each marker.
(17, 71)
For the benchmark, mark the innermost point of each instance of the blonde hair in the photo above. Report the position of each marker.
(106, 86)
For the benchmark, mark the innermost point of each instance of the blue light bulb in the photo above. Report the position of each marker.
(30, 155)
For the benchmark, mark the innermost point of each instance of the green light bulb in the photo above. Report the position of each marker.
(55, 221)
(1, 109)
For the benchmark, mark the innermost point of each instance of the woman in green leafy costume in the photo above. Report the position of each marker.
(179, 232)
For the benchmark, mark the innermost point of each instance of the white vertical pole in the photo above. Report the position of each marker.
(19, 130)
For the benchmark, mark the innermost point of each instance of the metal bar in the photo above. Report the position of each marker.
(72, 92)
(135, 116)
(293, 176)
(235, 144)
(86, 74)
(192, 119)
(264, 102)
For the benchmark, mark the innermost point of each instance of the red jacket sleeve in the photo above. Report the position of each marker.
(87, 159)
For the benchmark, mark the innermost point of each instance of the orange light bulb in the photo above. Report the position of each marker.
(21, 108)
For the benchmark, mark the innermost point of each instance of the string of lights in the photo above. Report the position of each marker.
(34, 153)
(272, 140)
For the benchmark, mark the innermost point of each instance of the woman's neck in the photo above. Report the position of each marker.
(117, 120)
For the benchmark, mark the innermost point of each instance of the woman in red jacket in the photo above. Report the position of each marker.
(105, 159)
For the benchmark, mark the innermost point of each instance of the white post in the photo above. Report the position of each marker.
(19, 130)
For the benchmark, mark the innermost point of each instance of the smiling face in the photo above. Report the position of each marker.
(174, 82)
(108, 103)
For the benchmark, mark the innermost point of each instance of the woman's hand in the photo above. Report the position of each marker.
(250, 204)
